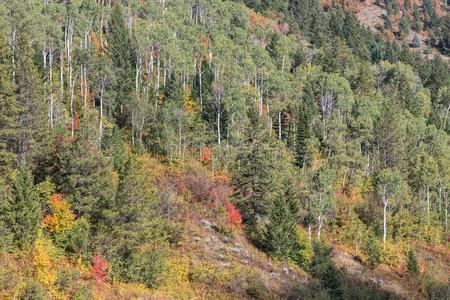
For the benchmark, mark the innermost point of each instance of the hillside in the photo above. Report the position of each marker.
(193, 149)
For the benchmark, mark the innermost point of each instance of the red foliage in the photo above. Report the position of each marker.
(99, 270)
(202, 189)
(234, 216)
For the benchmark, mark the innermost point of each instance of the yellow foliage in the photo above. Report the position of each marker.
(62, 218)
(189, 104)
(44, 260)
(177, 283)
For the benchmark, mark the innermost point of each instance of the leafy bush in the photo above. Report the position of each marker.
(32, 291)
(147, 266)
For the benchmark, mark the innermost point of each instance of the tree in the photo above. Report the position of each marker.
(388, 182)
(412, 263)
(123, 56)
(417, 25)
(404, 24)
(9, 110)
(322, 203)
(22, 209)
(372, 250)
(280, 235)
(83, 175)
(32, 118)
(303, 134)
(253, 178)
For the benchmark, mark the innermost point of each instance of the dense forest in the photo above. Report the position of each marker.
(128, 128)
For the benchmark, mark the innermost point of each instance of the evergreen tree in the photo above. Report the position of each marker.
(306, 112)
(404, 24)
(29, 93)
(9, 110)
(280, 235)
(416, 18)
(83, 175)
(123, 56)
(254, 178)
(21, 209)
(372, 250)
(412, 263)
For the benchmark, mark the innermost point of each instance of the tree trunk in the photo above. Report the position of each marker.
(385, 206)
(428, 202)
(50, 80)
(218, 128)
(279, 125)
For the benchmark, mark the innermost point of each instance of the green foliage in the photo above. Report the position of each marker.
(323, 269)
(32, 291)
(124, 59)
(412, 263)
(373, 250)
(280, 233)
(22, 209)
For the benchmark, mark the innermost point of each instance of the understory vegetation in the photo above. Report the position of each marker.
(221, 149)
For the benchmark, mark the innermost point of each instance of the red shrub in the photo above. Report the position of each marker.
(234, 216)
(99, 269)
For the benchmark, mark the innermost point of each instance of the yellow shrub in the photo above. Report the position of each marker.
(43, 260)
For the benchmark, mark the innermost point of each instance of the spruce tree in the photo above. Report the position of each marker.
(280, 234)
(22, 209)
(416, 18)
(404, 24)
(9, 110)
(123, 56)
(306, 111)
(29, 93)
(412, 263)
(254, 177)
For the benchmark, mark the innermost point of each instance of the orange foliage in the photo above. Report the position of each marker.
(206, 155)
(257, 19)
(62, 218)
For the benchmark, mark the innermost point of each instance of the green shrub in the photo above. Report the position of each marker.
(32, 291)
(372, 250)
(412, 263)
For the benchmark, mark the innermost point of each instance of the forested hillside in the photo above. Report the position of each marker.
(219, 149)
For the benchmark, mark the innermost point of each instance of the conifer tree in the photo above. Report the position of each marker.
(404, 24)
(416, 18)
(9, 110)
(280, 234)
(22, 209)
(412, 263)
(254, 178)
(29, 88)
(123, 56)
(306, 111)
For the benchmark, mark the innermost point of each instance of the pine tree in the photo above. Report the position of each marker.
(254, 179)
(29, 95)
(416, 18)
(305, 114)
(404, 24)
(372, 250)
(83, 175)
(412, 263)
(9, 110)
(123, 56)
(280, 235)
(21, 209)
